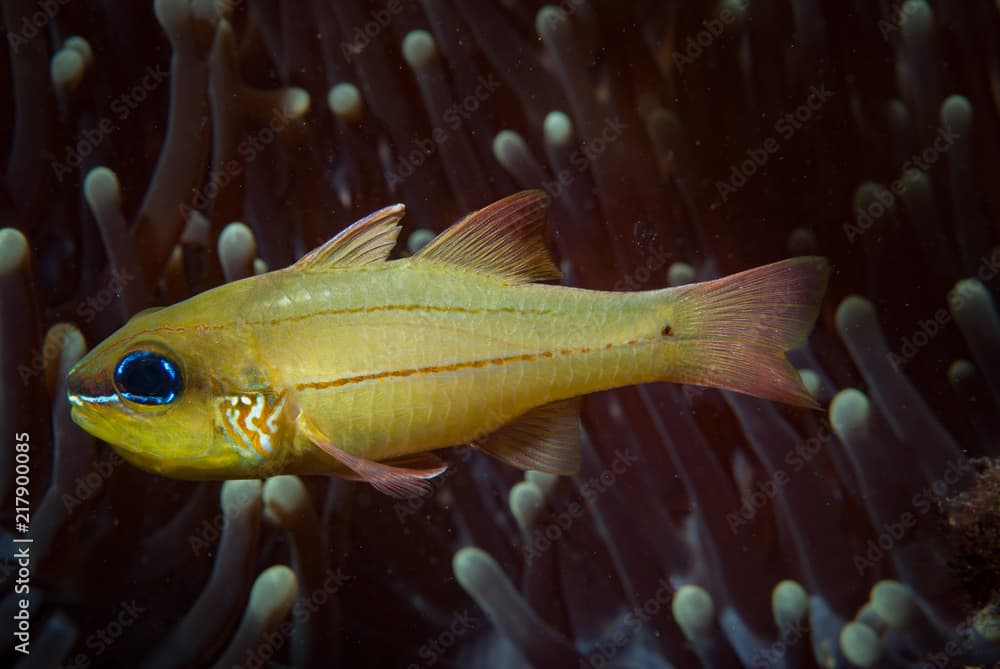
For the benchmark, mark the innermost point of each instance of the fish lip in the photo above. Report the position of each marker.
(74, 391)
(83, 391)
(74, 386)
(82, 399)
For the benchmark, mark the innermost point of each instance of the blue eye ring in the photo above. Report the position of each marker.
(147, 377)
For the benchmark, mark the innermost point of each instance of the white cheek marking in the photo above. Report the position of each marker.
(258, 406)
(271, 421)
(227, 419)
(243, 426)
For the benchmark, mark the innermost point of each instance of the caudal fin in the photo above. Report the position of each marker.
(733, 332)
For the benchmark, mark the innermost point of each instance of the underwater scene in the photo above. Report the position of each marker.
(454, 333)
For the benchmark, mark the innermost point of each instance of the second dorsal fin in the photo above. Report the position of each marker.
(503, 239)
(365, 241)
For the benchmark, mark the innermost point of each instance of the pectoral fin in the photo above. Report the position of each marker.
(396, 480)
(546, 439)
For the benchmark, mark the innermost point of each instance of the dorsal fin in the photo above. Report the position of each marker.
(546, 439)
(365, 241)
(503, 239)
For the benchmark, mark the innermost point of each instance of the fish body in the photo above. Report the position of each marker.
(348, 363)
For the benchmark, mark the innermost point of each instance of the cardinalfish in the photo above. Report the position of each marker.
(348, 363)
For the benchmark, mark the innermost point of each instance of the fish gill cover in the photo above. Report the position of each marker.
(154, 150)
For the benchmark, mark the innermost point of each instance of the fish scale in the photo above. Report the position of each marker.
(424, 319)
(348, 363)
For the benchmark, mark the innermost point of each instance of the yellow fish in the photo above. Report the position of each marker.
(347, 363)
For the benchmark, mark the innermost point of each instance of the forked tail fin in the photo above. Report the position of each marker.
(733, 332)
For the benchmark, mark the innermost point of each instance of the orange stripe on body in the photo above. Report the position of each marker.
(433, 369)
(453, 367)
(400, 307)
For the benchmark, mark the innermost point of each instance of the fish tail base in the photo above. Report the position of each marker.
(733, 332)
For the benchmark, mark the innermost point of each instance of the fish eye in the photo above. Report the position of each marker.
(145, 377)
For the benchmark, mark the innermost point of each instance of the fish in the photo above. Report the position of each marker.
(348, 363)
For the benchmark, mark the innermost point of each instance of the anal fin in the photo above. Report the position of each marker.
(546, 439)
(407, 477)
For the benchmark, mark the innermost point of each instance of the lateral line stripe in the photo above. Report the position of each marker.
(471, 364)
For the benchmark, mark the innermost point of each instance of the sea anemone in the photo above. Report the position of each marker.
(156, 151)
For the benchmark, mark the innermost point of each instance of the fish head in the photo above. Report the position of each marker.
(148, 390)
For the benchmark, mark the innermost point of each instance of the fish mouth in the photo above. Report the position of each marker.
(83, 414)
(92, 420)
(86, 398)
(80, 399)
(83, 390)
